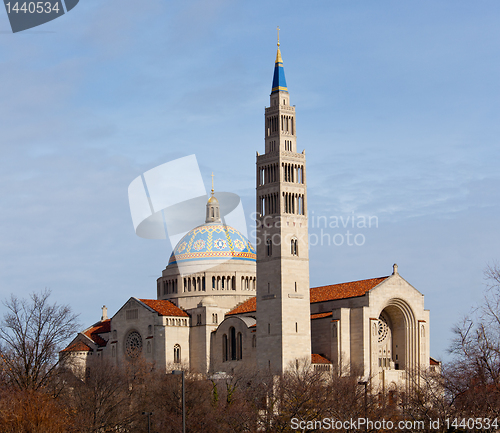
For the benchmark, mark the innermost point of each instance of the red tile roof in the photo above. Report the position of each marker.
(164, 307)
(344, 290)
(321, 315)
(321, 294)
(434, 362)
(318, 359)
(101, 327)
(249, 306)
(79, 346)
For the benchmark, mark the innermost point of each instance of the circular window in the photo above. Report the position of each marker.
(133, 344)
(383, 329)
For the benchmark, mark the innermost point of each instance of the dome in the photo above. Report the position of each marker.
(213, 241)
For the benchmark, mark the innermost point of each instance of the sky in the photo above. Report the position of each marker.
(397, 107)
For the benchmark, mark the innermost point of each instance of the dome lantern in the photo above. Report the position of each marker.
(213, 208)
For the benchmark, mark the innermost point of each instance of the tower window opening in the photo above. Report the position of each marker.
(296, 327)
(269, 247)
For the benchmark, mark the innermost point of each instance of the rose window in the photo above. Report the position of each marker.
(383, 329)
(133, 344)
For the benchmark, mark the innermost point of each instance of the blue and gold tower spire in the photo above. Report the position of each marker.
(279, 81)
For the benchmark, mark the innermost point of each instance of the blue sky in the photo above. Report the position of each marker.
(397, 107)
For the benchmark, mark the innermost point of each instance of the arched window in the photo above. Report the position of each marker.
(177, 354)
(213, 282)
(294, 249)
(269, 247)
(239, 346)
(224, 348)
(232, 343)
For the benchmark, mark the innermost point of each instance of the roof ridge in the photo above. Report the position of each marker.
(170, 308)
(231, 312)
(350, 282)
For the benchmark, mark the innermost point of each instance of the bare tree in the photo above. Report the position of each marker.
(107, 399)
(473, 378)
(31, 334)
(23, 411)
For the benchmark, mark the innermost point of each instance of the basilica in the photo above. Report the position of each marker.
(223, 305)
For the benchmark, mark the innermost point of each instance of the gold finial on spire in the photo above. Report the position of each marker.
(278, 54)
(212, 183)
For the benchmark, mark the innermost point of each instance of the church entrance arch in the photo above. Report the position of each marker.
(396, 342)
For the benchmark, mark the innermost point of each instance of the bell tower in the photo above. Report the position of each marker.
(283, 306)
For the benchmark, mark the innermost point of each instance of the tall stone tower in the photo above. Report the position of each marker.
(283, 307)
